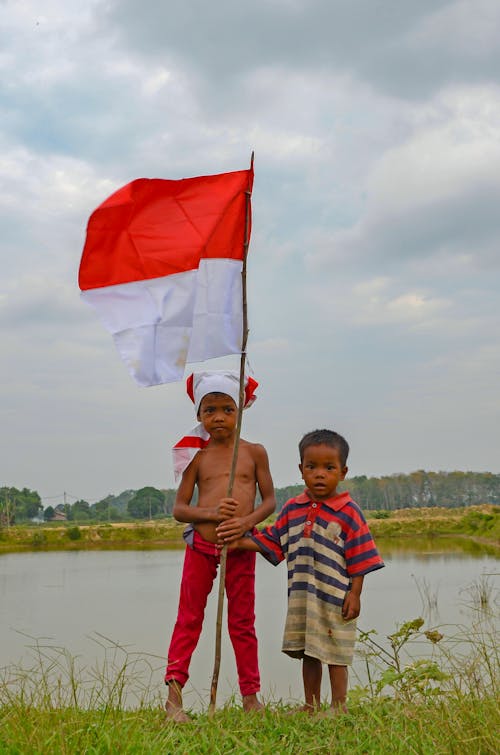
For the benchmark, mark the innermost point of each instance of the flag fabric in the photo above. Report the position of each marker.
(200, 384)
(162, 266)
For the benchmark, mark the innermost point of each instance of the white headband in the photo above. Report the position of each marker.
(227, 382)
(198, 385)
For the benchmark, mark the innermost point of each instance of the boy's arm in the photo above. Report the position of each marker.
(352, 601)
(245, 544)
(272, 551)
(234, 527)
(184, 512)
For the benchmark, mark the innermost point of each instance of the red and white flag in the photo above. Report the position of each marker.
(162, 266)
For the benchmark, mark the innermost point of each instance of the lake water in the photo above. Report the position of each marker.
(111, 607)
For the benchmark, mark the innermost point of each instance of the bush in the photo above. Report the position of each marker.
(39, 539)
(476, 521)
(74, 533)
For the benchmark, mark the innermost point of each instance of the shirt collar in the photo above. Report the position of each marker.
(336, 502)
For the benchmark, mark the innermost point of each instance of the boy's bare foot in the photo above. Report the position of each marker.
(333, 711)
(173, 706)
(176, 713)
(251, 703)
(309, 709)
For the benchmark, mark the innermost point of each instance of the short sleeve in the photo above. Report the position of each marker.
(270, 545)
(361, 554)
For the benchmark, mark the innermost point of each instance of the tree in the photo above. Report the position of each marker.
(80, 510)
(48, 513)
(169, 495)
(19, 505)
(146, 503)
(112, 506)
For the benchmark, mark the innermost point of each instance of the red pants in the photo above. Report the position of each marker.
(200, 568)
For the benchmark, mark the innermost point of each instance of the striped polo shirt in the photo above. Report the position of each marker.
(325, 544)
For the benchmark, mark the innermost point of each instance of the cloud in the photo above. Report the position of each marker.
(45, 200)
(434, 194)
(405, 50)
(376, 302)
(373, 267)
(39, 302)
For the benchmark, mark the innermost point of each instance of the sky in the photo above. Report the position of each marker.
(374, 264)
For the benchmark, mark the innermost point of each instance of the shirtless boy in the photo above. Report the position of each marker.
(215, 395)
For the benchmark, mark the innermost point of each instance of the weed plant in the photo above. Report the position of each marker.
(428, 595)
(430, 691)
(481, 593)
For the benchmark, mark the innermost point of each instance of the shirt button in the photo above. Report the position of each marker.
(314, 505)
(308, 523)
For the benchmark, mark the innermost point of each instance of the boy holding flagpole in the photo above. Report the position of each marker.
(203, 457)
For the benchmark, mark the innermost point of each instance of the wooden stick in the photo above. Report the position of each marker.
(241, 401)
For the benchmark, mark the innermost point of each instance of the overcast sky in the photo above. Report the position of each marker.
(374, 261)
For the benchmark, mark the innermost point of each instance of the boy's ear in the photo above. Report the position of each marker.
(301, 472)
(344, 472)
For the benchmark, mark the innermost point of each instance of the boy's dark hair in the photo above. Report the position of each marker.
(327, 438)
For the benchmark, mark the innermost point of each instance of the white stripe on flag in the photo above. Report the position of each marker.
(160, 324)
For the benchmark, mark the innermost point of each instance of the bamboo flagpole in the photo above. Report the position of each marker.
(223, 555)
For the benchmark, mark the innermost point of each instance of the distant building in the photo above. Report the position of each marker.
(59, 514)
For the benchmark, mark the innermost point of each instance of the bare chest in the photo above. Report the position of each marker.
(214, 468)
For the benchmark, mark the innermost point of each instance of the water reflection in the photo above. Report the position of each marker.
(430, 546)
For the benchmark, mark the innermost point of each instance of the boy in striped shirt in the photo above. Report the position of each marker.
(328, 547)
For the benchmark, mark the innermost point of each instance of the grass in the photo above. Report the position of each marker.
(386, 726)
(481, 593)
(444, 701)
(68, 536)
(428, 594)
(477, 522)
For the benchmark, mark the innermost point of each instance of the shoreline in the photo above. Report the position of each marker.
(479, 526)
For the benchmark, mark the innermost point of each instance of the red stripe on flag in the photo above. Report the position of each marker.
(152, 228)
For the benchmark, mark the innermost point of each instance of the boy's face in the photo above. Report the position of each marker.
(322, 471)
(218, 414)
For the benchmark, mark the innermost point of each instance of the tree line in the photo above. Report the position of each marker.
(415, 490)
(387, 493)
(420, 489)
